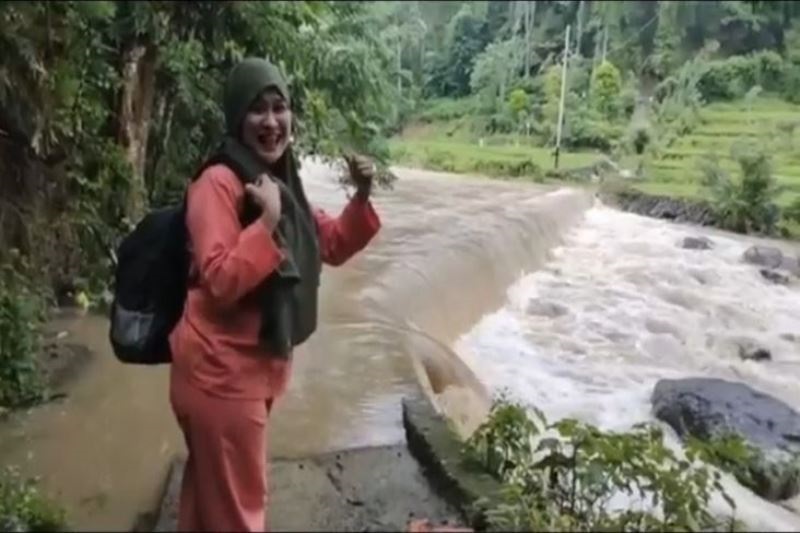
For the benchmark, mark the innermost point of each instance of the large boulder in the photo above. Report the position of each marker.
(706, 408)
(771, 257)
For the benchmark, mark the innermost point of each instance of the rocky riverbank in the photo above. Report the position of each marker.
(663, 207)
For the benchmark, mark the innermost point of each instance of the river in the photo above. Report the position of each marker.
(442, 298)
(622, 305)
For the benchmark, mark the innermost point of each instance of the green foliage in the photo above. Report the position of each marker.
(729, 452)
(586, 130)
(747, 204)
(678, 99)
(563, 476)
(450, 72)
(498, 156)
(792, 212)
(22, 310)
(519, 102)
(791, 85)
(445, 110)
(640, 137)
(62, 75)
(22, 508)
(495, 69)
(606, 90)
(731, 78)
(552, 95)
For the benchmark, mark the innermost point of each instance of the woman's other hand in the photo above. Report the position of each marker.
(362, 172)
(267, 195)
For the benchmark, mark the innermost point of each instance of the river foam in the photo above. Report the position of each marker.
(622, 305)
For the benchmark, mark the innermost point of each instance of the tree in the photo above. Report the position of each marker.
(495, 69)
(606, 90)
(466, 38)
(107, 107)
(519, 104)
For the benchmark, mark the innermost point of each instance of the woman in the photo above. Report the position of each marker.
(257, 249)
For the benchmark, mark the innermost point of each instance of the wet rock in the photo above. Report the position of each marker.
(545, 308)
(697, 243)
(790, 337)
(774, 276)
(766, 256)
(750, 351)
(706, 408)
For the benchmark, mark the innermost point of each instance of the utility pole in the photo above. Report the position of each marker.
(399, 65)
(527, 38)
(579, 34)
(563, 96)
(605, 41)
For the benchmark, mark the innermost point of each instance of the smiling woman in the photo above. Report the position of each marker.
(257, 249)
(267, 127)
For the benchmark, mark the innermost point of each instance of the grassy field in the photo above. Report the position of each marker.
(772, 123)
(451, 147)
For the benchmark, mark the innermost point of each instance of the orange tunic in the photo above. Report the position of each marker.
(215, 344)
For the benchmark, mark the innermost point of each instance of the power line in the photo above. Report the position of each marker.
(635, 36)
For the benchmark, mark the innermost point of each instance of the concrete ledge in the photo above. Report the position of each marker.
(368, 489)
(437, 448)
(365, 489)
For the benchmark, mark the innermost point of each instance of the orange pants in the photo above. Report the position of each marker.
(225, 480)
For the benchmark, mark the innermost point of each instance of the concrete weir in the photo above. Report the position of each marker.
(369, 489)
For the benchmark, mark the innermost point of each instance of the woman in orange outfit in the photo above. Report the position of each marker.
(257, 249)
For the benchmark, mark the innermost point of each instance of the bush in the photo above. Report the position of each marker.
(22, 508)
(607, 90)
(446, 109)
(746, 204)
(640, 137)
(731, 78)
(563, 476)
(500, 123)
(791, 83)
(585, 129)
(22, 311)
(596, 134)
(513, 169)
(792, 212)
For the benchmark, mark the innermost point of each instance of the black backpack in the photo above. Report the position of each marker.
(150, 287)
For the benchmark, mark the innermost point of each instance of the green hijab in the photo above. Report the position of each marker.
(288, 297)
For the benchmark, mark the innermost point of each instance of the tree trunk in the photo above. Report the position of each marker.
(162, 123)
(135, 113)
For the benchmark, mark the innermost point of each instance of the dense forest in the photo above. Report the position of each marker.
(106, 108)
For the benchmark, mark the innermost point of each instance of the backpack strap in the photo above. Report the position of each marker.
(250, 210)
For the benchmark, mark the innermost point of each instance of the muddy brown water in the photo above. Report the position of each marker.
(449, 249)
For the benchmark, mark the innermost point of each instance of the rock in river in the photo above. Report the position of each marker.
(707, 408)
(772, 258)
(697, 243)
(774, 276)
(749, 350)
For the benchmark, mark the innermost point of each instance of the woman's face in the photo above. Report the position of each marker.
(267, 126)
